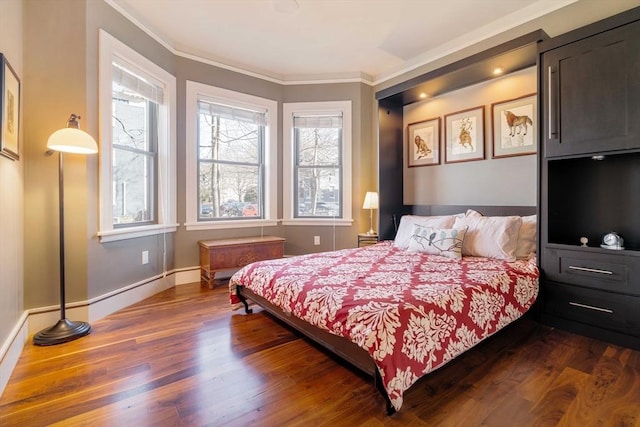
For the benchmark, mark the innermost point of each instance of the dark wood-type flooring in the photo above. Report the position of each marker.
(183, 358)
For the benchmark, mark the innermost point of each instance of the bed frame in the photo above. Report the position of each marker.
(342, 347)
(339, 346)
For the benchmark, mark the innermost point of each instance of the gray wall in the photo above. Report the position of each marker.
(116, 264)
(54, 87)
(61, 63)
(11, 189)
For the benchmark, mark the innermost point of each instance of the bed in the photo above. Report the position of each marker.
(400, 309)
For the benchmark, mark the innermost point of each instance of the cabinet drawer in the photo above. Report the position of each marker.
(596, 270)
(592, 307)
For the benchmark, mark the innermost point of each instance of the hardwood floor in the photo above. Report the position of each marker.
(183, 358)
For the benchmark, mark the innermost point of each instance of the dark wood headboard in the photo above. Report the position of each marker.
(486, 210)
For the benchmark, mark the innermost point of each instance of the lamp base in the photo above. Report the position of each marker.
(63, 331)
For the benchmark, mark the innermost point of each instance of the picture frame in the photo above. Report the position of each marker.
(515, 127)
(423, 143)
(9, 110)
(464, 135)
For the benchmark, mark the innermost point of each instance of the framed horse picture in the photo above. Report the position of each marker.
(423, 143)
(464, 135)
(515, 124)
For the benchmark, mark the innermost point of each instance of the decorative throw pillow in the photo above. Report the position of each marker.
(490, 236)
(527, 238)
(446, 242)
(405, 229)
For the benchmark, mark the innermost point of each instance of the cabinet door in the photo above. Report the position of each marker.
(591, 97)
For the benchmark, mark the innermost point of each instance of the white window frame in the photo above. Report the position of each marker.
(196, 90)
(320, 108)
(110, 48)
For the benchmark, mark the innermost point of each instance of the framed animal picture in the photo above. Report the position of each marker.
(423, 143)
(515, 124)
(464, 135)
(9, 110)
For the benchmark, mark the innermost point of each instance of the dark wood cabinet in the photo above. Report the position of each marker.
(590, 179)
(591, 94)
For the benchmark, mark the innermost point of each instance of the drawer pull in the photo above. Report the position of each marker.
(590, 307)
(590, 270)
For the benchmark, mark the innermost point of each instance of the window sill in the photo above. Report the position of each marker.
(218, 225)
(330, 222)
(135, 232)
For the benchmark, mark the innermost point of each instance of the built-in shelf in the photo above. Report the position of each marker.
(589, 198)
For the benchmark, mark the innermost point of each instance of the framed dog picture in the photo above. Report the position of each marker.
(515, 125)
(423, 143)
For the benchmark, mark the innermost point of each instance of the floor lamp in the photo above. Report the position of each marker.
(68, 140)
(371, 203)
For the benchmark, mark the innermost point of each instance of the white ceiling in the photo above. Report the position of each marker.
(330, 39)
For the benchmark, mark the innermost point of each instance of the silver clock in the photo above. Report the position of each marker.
(612, 241)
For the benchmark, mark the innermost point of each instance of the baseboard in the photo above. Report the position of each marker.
(37, 319)
(192, 275)
(103, 305)
(113, 301)
(12, 348)
(187, 275)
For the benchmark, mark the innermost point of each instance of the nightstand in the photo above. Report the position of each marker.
(365, 239)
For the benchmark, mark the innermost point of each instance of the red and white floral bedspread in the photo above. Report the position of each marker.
(411, 311)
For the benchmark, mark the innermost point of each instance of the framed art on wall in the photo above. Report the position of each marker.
(10, 110)
(514, 127)
(423, 140)
(464, 135)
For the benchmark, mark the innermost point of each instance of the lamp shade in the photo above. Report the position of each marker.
(370, 200)
(72, 140)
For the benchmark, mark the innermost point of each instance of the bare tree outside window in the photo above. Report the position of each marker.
(134, 157)
(230, 163)
(318, 168)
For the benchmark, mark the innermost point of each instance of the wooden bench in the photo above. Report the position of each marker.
(226, 254)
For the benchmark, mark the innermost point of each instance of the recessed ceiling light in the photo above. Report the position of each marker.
(498, 71)
(423, 95)
(285, 6)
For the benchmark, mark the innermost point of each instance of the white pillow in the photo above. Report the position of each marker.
(527, 237)
(473, 213)
(490, 236)
(446, 242)
(405, 229)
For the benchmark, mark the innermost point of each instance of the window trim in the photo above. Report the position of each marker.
(111, 47)
(242, 100)
(321, 108)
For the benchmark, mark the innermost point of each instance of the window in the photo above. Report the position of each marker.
(317, 144)
(317, 160)
(231, 173)
(137, 101)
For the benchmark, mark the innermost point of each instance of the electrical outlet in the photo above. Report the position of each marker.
(316, 240)
(145, 257)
